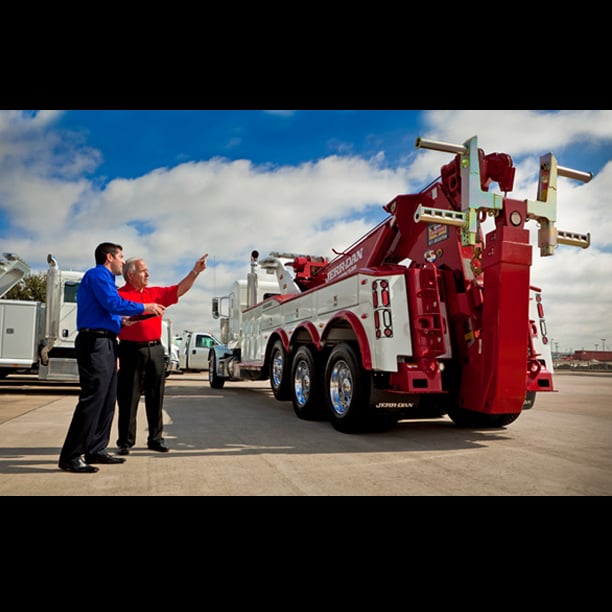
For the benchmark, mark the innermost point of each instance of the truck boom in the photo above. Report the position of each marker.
(424, 316)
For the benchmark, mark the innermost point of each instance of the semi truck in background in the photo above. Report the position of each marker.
(38, 337)
(424, 316)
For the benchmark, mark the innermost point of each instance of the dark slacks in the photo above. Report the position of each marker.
(89, 430)
(141, 370)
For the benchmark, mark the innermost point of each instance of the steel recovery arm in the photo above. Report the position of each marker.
(495, 355)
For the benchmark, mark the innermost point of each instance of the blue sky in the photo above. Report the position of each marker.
(152, 139)
(170, 185)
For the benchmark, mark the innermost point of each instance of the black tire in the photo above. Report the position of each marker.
(280, 374)
(477, 420)
(505, 419)
(470, 418)
(347, 391)
(529, 400)
(306, 392)
(216, 382)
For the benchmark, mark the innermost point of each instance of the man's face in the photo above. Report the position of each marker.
(140, 277)
(116, 262)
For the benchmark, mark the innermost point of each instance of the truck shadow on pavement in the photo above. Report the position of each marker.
(208, 440)
(201, 420)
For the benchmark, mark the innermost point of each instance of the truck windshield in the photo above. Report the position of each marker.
(70, 292)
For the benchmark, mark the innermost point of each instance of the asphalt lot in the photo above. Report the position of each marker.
(239, 441)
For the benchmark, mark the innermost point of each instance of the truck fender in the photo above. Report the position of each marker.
(358, 329)
(309, 329)
(278, 334)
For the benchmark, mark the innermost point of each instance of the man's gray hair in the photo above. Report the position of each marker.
(129, 267)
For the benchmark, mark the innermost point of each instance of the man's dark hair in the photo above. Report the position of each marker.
(103, 249)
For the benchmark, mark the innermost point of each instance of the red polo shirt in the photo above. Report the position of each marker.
(147, 329)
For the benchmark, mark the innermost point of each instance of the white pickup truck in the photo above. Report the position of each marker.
(193, 350)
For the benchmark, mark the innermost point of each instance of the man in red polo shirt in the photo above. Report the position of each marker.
(141, 354)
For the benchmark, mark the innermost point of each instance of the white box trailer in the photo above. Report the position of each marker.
(21, 325)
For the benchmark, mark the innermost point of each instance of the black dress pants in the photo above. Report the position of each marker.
(142, 370)
(89, 430)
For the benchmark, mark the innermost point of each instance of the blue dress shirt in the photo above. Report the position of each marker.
(99, 305)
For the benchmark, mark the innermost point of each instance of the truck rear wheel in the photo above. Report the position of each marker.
(280, 379)
(347, 390)
(347, 395)
(216, 382)
(306, 388)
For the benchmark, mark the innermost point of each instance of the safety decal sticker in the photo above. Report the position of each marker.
(436, 232)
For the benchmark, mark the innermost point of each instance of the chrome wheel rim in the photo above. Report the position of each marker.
(341, 388)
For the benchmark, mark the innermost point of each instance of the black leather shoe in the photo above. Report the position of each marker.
(77, 465)
(103, 458)
(160, 447)
(123, 450)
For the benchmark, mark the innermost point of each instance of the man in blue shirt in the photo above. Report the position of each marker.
(99, 312)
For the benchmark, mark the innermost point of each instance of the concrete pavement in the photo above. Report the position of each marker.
(239, 441)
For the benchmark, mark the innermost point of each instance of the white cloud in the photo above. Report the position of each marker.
(227, 208)
(521, 132)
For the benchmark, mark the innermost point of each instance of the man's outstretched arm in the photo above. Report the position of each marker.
(185, 285)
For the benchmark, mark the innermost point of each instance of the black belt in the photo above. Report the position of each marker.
(103, 333)
(141, 344)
